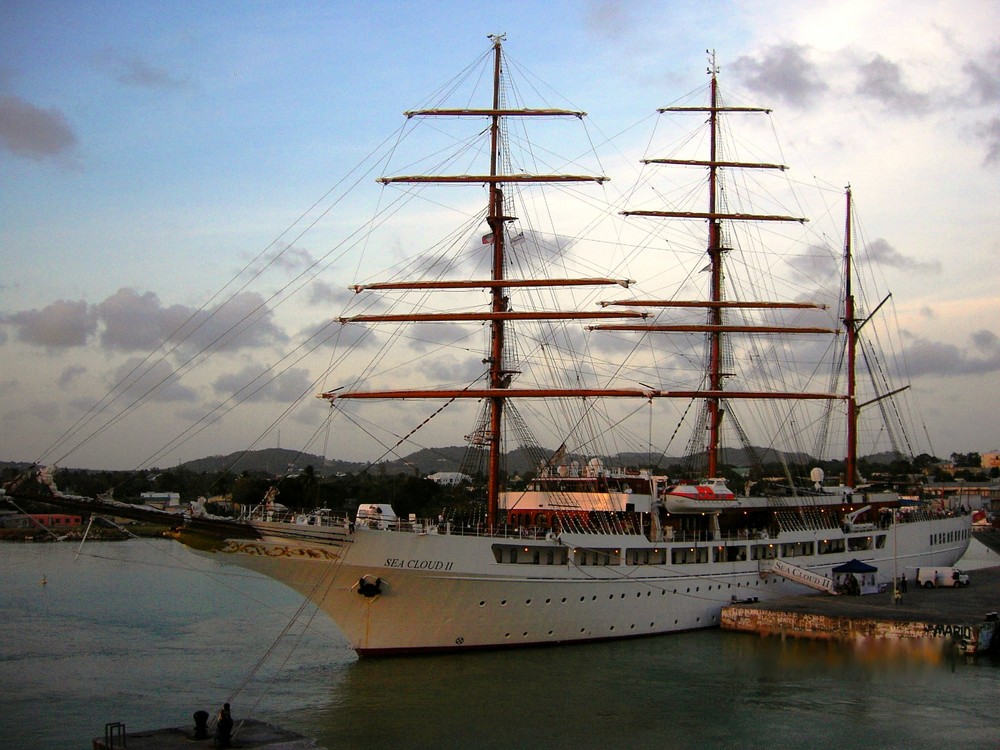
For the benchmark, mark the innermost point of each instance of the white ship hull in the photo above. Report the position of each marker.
(445, 591)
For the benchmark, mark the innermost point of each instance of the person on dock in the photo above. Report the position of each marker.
(224, 727)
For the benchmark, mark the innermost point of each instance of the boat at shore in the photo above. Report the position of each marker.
(580, 550)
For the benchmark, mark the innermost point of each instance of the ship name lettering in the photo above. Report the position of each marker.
(395, 562)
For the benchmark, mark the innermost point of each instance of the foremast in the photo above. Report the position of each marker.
(499, 373)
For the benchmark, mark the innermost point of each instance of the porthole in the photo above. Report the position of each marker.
(527, 601)
(550, 632)
(547, 601)
(503, 602)
(582, 598)
(564, 600)
(482, 604)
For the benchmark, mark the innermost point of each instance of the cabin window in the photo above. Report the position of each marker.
(855, 543)
(880, 541)
(830, 546)
(796, 549)
(688, 555)
(763, 552)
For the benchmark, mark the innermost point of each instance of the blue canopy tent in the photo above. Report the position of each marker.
(856, 577)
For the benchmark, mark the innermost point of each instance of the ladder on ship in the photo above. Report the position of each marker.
(798, 574)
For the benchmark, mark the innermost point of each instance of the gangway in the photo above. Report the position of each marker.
(797, 574)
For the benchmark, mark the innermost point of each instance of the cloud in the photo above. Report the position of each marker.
(70, 374)
(883, 253)
(783, 71)
(33, 132)
(134, 322)
(935, 358)
(253, 385)
(159, 382)
(986, 340)
(984, 78)
(610, 20)
(329, 296)
(61, 324)
(128, 321)
(882, 80)
(990, 132)
(132, 70)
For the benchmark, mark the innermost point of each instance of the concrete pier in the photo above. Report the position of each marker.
(247, 734)
(951, 615)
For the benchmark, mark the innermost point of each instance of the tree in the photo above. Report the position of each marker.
(968, 460)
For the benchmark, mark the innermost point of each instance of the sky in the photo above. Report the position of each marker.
(150, 151)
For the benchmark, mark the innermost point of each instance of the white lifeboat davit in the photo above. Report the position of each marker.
(706, 496)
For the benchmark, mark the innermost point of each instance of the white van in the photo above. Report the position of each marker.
(941, 577)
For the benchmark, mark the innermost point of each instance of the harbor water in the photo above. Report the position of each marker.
(146, 633)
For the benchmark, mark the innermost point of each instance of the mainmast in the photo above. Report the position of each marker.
(498, 294)
(716, 326)
(850, 325)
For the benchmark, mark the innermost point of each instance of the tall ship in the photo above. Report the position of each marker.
(580, 548)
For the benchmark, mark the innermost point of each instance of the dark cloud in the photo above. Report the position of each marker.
(882, 252)
(343, 336)
(611, 20)
(985, 340)
(32, 132)
(61, 324)
(449, 369)
(132, 70)
(329, 296)
(990, 131)
(882, 80)
(134, 322)
(290, 258)
(784, 71)
(129, 322)
(815, 265)
(937, 358)
(423, 337)
(71, 373)
(158, 382)
(984, 78)
(254, 385)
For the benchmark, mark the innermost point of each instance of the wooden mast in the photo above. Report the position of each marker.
(498, 373)
(716, 326)
(498, 295)
(850, 324)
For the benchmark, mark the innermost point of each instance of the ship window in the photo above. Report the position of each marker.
(859, 542)
(763, 552)
(880, 541)
(829, 546)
